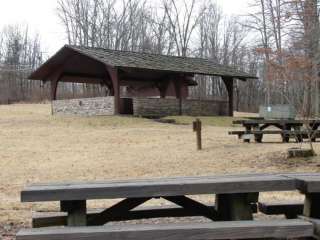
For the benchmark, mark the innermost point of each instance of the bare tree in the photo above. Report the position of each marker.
(20, 53)
(182, 23)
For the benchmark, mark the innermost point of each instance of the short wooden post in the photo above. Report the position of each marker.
(197, 127)
(77, 212)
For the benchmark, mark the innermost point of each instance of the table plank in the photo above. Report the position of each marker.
(307, 182)
(276, 121)
(158, 187)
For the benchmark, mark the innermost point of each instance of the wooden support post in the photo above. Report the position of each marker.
(197, 127)
(54, 81)
(114, 76)
(163, 87)
(312, 206)
(178, 90)
(234, 207)
(54, 86)
(228, 81)
(77, 212)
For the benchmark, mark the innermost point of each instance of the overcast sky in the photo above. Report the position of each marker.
(41, 16)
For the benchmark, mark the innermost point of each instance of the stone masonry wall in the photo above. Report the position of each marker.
(141, 107)
(84, 107)
(205, 108)
(170, 107)
(155, 107)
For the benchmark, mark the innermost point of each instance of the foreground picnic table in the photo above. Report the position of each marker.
(236, 199)
(287, 128)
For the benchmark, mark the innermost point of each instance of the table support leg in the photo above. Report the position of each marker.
(77, 212)
(311, 205)
(257, 137)
(298, 136)
(314, 127)
(286, 137)
(248, 131)
(234, 207)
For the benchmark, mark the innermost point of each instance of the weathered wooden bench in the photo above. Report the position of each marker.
(290, 210)
(298, 136)
(50, 219)
(236, 197)
(282, 229)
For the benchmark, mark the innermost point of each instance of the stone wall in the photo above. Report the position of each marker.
(155, 107)
(170, 107)
(205, 108)
(84, 106)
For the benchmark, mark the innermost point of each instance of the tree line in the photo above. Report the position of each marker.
(277, 40)
(20, 54)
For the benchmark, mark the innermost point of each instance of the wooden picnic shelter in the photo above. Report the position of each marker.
(170, 75)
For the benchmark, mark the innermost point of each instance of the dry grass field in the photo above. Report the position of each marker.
(36, 147)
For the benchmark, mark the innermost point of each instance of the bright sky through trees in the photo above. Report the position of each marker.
(41, 17)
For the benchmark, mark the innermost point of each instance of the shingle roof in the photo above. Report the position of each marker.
(147, 61)
(160, 62)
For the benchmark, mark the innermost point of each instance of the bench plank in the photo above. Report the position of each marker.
(276, 121)
(159, 187)
(302, 133)
(207, 231)
(290, 210)
(52, 219)
(316, 225)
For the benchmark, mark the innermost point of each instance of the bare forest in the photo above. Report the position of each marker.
(278, 40)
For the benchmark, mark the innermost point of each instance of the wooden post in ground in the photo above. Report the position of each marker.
(197, 127)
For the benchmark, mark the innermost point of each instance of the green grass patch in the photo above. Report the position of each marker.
(208, 121)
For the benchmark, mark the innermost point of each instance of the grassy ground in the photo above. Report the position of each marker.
(36, 147)
(208, 121)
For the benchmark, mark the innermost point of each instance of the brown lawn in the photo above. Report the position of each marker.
(36, 147)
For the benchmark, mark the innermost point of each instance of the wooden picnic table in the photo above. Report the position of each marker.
(236, 198)
(229, 189)
(286, 128)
